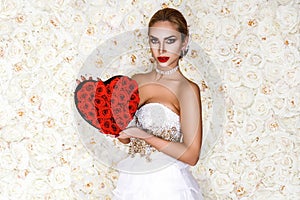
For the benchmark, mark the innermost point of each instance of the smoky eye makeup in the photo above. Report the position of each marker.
(171, 39)
(153, 40)
(168, 40)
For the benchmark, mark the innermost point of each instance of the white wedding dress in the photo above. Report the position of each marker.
(148, 174)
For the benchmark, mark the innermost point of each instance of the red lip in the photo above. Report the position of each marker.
(163, 59)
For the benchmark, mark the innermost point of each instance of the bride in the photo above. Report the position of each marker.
(166, 134)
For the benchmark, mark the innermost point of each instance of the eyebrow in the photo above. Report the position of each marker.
(165, 37)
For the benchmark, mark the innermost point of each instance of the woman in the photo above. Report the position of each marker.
(165, 136)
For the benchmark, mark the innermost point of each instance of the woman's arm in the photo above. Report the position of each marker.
(191, 126)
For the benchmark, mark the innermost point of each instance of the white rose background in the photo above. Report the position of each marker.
(254, 46)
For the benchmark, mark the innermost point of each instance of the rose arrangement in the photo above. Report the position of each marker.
(108, 106)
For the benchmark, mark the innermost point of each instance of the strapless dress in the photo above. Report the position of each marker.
(147, 174)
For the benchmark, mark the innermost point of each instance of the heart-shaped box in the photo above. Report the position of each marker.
(108, 106)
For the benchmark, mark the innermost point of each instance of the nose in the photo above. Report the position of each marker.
(162, 48)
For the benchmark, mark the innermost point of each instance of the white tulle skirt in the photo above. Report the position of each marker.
(163, 178)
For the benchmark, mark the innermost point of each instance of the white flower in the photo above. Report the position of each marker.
(47, 143)
(38, 185)
(239, 117)
(245, 8)
(230, 27)
(86, 45)
(14, 91)
(260, 108)
(293, 100)
(288, 18)
(267, 166)
(25, 80)
(242, 96)
(266, 26)
(273, 71)
(58, 5)
(44, 76)
(7, 161)
(51, 104)
(292, 76)
(132, 20)
(252, 77)
(21, 155)
(220, 163)
(250, 178)
(250, 42)
(255, 59)
(60, 177)
(15, 51)
(10, 8)
(290, 123)
(41, 162)
(287, 162)
(278, 104)
(273, 48)
(233, 77)
(6, 27)
(222, 183)
(291, 55)
(210, 25)
(13, 133)
(223, 50)
(281, 87)
(17, 189)
(252, 129)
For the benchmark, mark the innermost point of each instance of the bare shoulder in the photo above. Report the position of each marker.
(139, 78)
(189, 88)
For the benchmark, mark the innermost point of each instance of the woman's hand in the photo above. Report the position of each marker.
(84, 79)
(133, 132)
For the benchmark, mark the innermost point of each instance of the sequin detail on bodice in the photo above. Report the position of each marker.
(158, 120)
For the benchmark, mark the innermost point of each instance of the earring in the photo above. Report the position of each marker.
(184, 51)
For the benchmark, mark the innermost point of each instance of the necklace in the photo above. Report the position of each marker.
(168, 72)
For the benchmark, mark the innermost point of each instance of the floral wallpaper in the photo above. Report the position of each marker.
(243, 54)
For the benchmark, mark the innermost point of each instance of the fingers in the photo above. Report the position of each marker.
(110, 135)
(84, 79)
(123, 135)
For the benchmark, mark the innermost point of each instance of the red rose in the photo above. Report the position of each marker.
(105, 125)
(132, 108)
(134, 97)
(104, 112)
(90, 86)
(101, 89)
(116, 110)
(120, 96)
(100, 101)
(124, 81)
(121, 123)
(85, 106)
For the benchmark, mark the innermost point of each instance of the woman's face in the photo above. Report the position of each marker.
(165, 43)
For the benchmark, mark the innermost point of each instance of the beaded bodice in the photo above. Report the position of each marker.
(156, 119)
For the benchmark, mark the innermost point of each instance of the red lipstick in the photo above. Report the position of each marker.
(163, 59)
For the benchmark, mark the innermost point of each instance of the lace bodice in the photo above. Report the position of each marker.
(156, 119)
